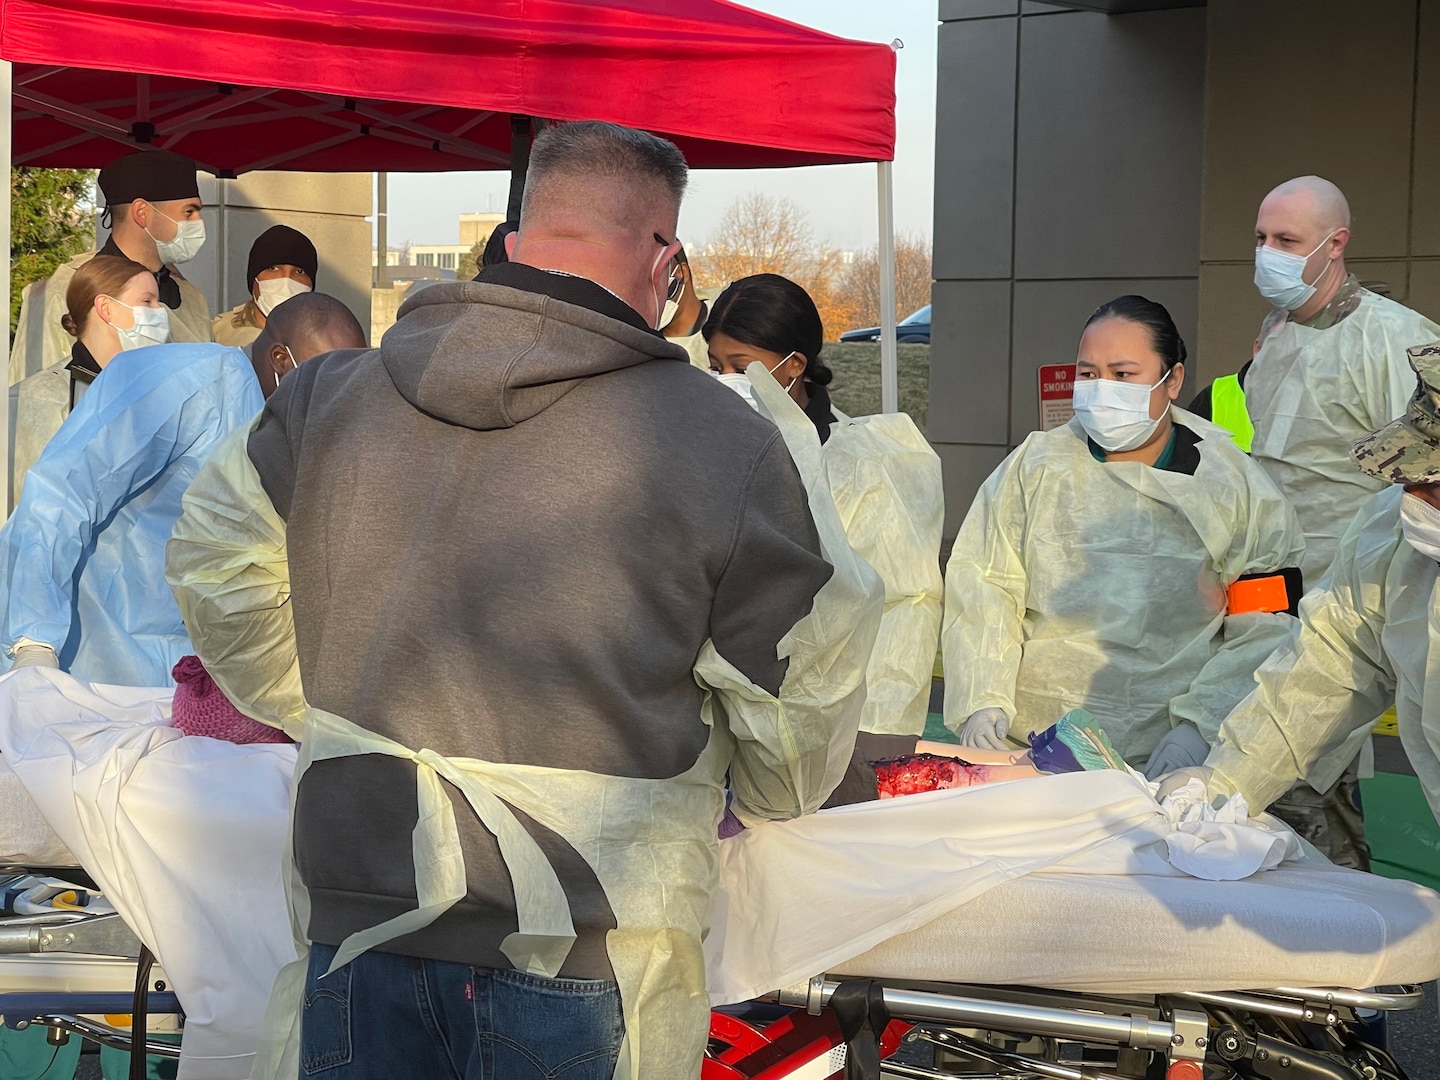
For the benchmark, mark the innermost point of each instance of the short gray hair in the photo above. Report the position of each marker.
(593, 148)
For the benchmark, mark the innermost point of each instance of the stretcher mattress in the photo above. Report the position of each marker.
(26, 839)
(1297, 925)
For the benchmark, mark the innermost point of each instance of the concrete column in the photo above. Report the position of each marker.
(1067, 162)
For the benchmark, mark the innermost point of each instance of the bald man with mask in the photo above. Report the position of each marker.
(1331, 363)
(1330, 367)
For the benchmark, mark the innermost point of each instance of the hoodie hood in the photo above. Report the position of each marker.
(488, 356)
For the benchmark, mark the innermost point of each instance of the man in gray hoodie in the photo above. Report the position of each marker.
(511, 530)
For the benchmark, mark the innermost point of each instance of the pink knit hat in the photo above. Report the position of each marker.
(202, 709)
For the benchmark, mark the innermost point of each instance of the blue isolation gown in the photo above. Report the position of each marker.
(85, 548)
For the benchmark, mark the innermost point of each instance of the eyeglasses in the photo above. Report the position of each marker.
(677, 283)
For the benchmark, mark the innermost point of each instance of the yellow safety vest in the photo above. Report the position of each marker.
(1227, 410)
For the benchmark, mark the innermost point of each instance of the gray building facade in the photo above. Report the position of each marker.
(1084, 150)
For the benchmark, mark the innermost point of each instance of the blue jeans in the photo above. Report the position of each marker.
(384, 1016)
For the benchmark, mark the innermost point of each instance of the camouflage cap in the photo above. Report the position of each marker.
(1407, 451)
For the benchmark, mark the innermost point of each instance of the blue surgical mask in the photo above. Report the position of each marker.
(1280, 275)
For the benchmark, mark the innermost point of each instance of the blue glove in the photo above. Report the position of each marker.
(1182, 747)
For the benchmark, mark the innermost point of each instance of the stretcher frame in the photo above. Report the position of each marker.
(1004, 1032)
(106, 951)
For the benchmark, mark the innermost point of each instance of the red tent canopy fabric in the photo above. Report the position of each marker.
(423, 85)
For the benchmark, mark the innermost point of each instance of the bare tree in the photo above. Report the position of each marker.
(860, 288)
(762, 234)
(759, 234)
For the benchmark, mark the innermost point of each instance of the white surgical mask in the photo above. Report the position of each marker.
(152, 327)
(1420, 523)
(667, 316)
(739, 381)
(1280, 275)
(1115, 414)
(276, 291)
(189, 238)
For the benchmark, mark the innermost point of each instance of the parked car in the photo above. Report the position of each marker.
(914, 329)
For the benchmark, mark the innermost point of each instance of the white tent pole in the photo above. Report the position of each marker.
(5, 155)
(889, 351)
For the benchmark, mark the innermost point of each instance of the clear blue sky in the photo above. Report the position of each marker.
(840, 199)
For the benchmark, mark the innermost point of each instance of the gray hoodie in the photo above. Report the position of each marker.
(510, 530)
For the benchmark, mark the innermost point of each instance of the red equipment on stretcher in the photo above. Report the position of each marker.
(797, 1046)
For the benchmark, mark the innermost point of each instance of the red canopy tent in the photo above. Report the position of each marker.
(332, 85)
(417, 85)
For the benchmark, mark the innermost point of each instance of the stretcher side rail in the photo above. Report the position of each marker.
(1403, 1000)
(1138, 1032)
(104, 1034)
(1313, 1005)
(102, 935)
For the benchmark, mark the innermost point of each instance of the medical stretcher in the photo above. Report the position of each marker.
(74, 973)
(1110, 975)
(1149, 987)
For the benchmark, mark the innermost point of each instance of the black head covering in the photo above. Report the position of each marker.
(281, 244)
(152, 175)
(495, 246)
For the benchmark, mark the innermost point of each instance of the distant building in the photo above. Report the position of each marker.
(476, 228)
(438, 256)
(417, 265)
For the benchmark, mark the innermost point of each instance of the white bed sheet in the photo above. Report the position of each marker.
(799, 897)
(183, 835)
(26, 838)
(1298, 925)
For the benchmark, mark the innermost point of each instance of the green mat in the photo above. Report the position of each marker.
(935, 729)
(25, 1055)
(1404, 837)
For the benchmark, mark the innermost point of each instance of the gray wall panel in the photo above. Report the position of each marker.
(970, 362)
(1109, 149)
(954, 10)
(965, 468)
(975, 148)
(1104, 158)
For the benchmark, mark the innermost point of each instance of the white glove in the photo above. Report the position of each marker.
(986, 729)
(33, 654)
(1182, 747)
(1217, 789)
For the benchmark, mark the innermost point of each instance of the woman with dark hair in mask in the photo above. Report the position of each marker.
(770, 320)
(1134, 563)
(887, 484)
